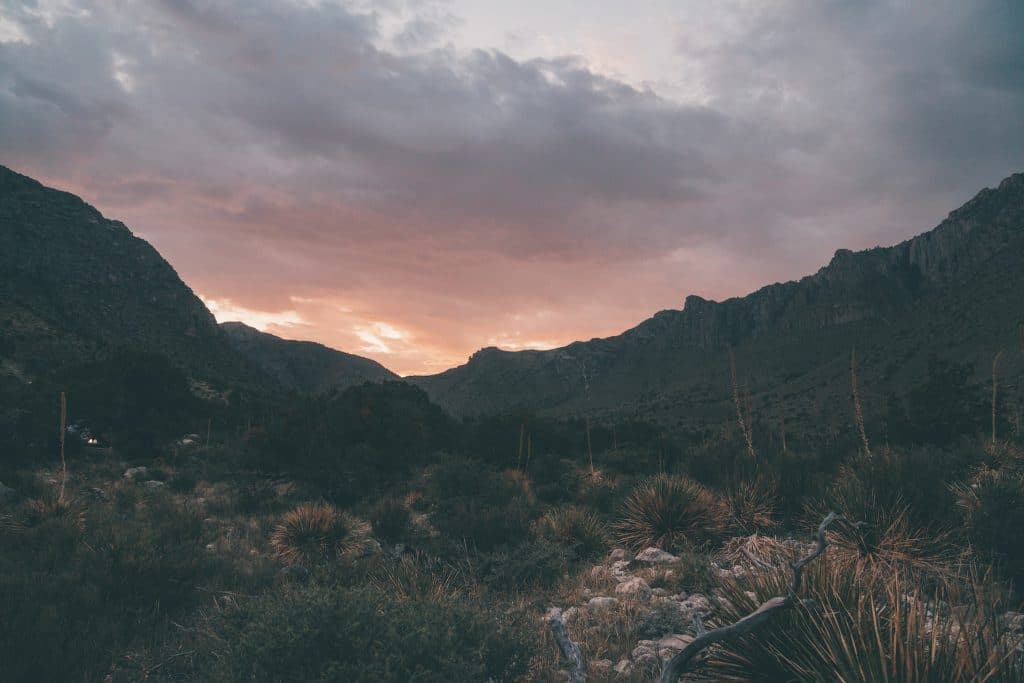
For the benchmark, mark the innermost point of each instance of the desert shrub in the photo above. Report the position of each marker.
(471, 504)
(537, 564)
(255, 496)
(391, 521)
(663, 619)
(314, 534)
(884, 541)
(336, 634)
(669, 512)
(861, 628)
(419, 577)
(993, 511)
(751, 505)
(575, 527)
(81, 586)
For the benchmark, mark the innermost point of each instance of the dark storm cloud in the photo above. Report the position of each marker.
(273, 149)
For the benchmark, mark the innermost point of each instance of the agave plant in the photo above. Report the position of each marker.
(574, 526)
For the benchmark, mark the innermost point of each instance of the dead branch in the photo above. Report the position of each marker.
(705, 639)
(572, 652)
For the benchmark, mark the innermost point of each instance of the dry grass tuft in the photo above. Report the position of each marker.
(312, 534)
(576, 527)
(751, 505)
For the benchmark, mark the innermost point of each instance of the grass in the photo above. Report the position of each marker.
(669, 512)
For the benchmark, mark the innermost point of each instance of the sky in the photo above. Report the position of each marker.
(412, 180)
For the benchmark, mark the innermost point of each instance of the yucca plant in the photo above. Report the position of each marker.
(994, 517)
(863, 628)
(312, 534)
(669, 512)
(576, 527)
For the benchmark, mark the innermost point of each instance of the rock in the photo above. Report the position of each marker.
(570, 614)
(600, 665)
(136, 473)
(659, 592)
(1013, 622)
(153, 485)
(617, 555)
(294, 573)
(602, 603)
(696, 604)
(7, 493)
(671, 645)
(656, 556)
(645, 653)
(624, 667)
(634, 588)
(619, 570)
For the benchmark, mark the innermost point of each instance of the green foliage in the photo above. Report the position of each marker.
(576, 528)
(391, 521)
(993, 510)
(669, 512)
(331, 634)
(531, 564)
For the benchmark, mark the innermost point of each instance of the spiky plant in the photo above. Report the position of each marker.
(576, 527)
(994, 517)
(419, 578)
(669, 512)
(751, 505)
(861, 628)
(315, 533)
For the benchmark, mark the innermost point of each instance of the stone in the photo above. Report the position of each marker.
(634, 588)
(602, 603)
(617, 555)
(696, 604)
(659, 592)
(600, 665)
(94, 493)
(619, 570)
(136, 473)
(570, 614)
(624, 667)
(671, 645)
(153, 485)
(645, 653)
(656, 556)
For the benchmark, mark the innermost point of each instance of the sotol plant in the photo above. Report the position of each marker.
(311, 534)
(669, 512)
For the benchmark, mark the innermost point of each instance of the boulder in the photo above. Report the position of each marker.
(136, 473)
(617, 555)
(656, 556)
(602, 603)
(635, 588)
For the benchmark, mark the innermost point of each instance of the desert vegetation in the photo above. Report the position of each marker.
(366, 535)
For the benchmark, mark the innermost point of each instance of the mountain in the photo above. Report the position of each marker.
(953, 292)
(78, 289)
(304, 366)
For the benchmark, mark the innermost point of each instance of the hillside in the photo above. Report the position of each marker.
(304, 366)
(88, 308)
(953, 292)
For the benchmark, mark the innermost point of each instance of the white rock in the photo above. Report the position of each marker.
(602, 603)
(624, 667)
(656, 556)
(671, 645)
(153, 485)
(634, 588)
(617, 554)
(135, 473)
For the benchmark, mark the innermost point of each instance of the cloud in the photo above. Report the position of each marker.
(345, 164)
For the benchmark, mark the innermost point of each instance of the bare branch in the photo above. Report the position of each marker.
(572, 652)
(705, 639)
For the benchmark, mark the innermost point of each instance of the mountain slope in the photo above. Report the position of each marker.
(953, 291)
(75, 285)
(304, 366)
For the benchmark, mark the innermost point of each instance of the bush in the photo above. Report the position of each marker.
(669, 512)
(391, 521)
(313, 534)
(993, 510)
(863, 628)
(336, 634)
(574, 527)
(540, 564)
